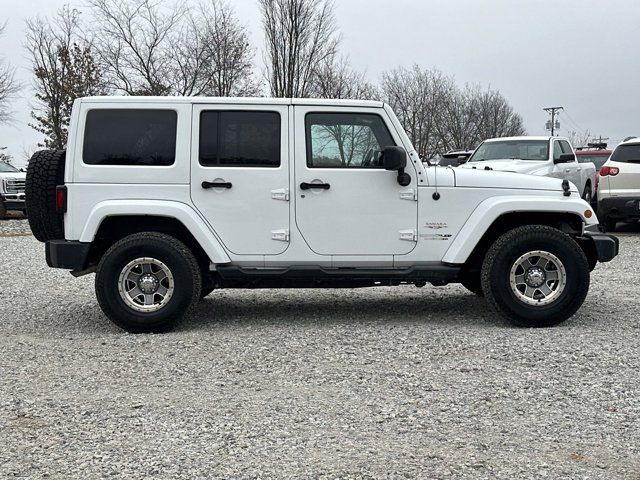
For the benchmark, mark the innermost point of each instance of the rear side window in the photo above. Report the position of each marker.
(130, 137)
(627, 153)
(566, 147)
(239, 139)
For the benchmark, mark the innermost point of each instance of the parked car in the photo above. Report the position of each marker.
(544, 156)
(11, 189)
(455, 158)
(619, 186)
(167, 199)
(596, 153)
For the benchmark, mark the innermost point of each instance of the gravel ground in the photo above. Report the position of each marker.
(387, 382)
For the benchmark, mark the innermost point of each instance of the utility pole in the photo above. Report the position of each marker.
(552, 111)
(600, 139)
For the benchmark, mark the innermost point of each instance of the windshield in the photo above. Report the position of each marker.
(514, 149)
(627, 153)
(5, 167)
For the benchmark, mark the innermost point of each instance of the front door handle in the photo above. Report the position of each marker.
(216, 185)
(568, 170)
(321, 186)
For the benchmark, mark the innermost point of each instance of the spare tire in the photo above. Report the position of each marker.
(44, 172)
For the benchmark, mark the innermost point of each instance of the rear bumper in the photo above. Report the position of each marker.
(65, 254)
(619, 207)
(606, 247)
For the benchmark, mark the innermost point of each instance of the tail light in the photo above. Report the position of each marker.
(61, 199)
(612, 171)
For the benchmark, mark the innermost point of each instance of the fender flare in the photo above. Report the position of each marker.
(160, 208)
(488, 211)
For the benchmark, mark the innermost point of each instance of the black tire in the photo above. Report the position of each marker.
(44, 172)
(473, 283)
(206, 291)
(503, 254)
(182, 265)
(587, 195)
(3, 209)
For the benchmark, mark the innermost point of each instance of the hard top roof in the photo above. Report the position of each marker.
(235, 101)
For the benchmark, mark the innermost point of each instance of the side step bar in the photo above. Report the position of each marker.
(231, 276)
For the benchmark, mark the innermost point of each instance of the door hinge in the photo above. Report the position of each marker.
(409, 235)
(280, 235)
(410, 194)
(280, 194)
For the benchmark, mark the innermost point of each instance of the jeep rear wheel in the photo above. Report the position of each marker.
(147, 282)
(44, 173)
(535, 276)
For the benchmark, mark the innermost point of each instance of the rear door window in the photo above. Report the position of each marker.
(239, 139)
(138, 137)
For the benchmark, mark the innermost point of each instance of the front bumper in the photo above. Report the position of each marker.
(606, 247)
(14, 201)
(66, 254)
(619, 207)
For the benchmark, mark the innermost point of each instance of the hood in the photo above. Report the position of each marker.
(13, 175)
(496, 179)
(511, 165)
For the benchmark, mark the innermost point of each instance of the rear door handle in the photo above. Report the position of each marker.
(216, 185)
(321, 186)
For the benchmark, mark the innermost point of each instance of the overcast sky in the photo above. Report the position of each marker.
(580, 54)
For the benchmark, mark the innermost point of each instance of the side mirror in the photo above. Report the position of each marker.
(395, 159)
(565, 158)
(462, 159)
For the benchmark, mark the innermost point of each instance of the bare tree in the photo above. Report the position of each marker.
(300, 35)
(579, 139)
(495, 117)
(9, 86)
(439, 116)
(64, 69)
(134, 40)
(147, 47)
(227, 51)
(335, 79)
(416, 96)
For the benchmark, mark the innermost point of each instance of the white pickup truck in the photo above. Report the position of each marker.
(544, 156)
(11, 189)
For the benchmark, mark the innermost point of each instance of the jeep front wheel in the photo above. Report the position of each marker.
(535, 276)
(147, 282)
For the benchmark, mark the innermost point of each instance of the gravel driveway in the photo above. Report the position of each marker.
(387, 382)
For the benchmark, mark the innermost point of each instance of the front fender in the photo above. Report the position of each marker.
(161, 208)
(492, 208)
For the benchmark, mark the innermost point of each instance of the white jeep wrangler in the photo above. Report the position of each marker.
(167, 199)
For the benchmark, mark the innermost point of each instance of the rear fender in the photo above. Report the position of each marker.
(161, 208)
